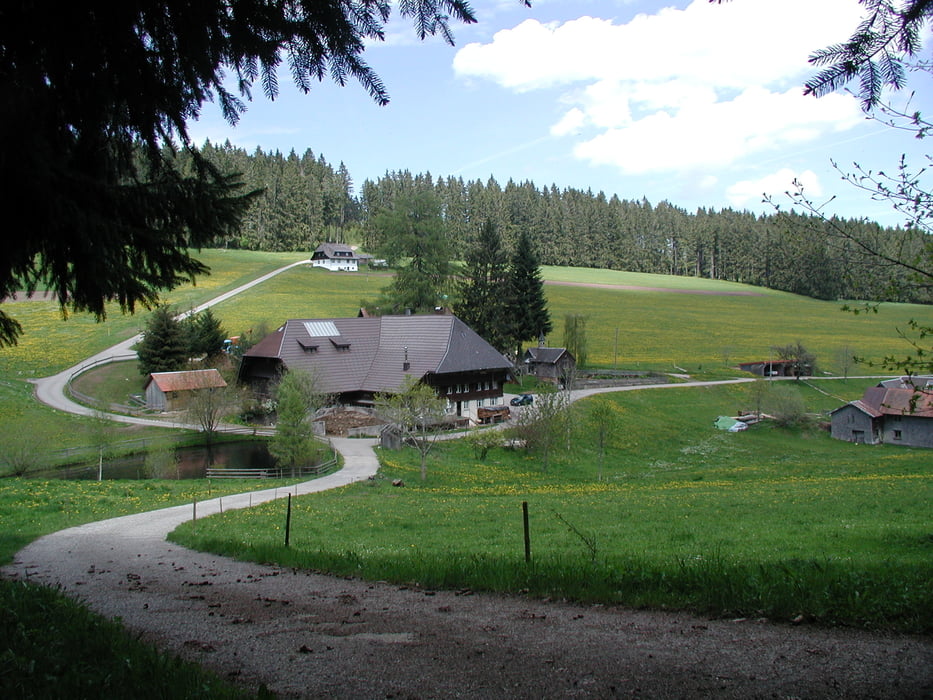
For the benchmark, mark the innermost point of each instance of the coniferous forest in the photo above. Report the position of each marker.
(305, 200)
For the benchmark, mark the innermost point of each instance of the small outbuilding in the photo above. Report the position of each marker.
(553, 365)
(777, 368)
(173, 391)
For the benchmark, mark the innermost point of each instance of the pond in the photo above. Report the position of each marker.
(173, 463)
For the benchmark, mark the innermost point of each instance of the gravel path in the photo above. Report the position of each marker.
(306, 635)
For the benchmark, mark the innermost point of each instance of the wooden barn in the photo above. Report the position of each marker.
(172, 391)
(553, 365)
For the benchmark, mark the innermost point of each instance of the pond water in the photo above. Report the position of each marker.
(178, 463)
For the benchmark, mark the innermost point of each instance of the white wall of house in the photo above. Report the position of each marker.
(337, 265)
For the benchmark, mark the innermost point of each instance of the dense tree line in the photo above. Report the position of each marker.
(305, 201)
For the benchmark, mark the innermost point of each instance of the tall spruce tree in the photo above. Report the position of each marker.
(527, 314)
(206, 335)
(164, 347)
(482, 304)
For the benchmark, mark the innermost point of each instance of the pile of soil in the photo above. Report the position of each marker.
(342, 420)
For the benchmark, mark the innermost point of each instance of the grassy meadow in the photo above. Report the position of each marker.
(783, 524)
(768, 522)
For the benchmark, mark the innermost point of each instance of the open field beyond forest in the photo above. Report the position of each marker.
(769, 522)
(640, 329)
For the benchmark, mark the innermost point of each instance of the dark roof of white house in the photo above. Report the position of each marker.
(339, 251)
(377, 354)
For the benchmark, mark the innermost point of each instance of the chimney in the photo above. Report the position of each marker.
(406, 365)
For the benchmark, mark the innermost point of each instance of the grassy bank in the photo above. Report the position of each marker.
(30, 508)
(55, 648)
(774, 523)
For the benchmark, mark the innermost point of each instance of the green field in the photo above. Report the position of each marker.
(769, 520)
(767, 523)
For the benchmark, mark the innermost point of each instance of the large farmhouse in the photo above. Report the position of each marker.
(357, 358)
(891, 412)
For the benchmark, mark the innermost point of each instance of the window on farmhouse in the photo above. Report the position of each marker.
(897, 434)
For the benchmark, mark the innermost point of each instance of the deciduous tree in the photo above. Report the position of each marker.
(482, 305)
(417, 412)
(575, 337)
(297, 398)
(603, 420)
(802, 361)
(412, 234)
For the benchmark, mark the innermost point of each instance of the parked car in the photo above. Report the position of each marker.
(523, 400)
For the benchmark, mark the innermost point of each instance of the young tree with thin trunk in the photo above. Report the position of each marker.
(417, 412)
(603, 420)
(544, 423)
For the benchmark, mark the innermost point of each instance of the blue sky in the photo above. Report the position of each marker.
(695, 103)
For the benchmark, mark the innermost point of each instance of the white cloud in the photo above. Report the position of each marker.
(678, 90)
(736, 44)
(569, 123)
(752, 191)
(711, 134)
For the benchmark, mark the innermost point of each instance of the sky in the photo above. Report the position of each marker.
(694, 103)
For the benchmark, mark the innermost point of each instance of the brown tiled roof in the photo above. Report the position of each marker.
(187, 381)
(899, 402)
(370, 354)
(862, 406)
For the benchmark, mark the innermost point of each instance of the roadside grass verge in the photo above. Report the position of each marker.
(53, 647)
(783, 524)
(112, 383)
(30, 508)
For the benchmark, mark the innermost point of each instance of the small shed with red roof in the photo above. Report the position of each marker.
(172, 391)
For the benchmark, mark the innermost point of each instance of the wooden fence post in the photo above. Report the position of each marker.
(288, 520)
(527, 533)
